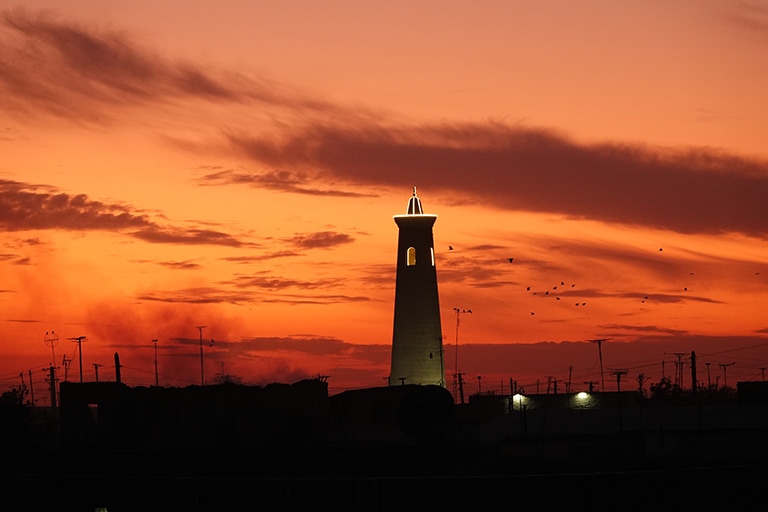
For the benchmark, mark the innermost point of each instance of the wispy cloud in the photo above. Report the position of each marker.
(70, 69)
(263, 257)
(283, 181)
(180, 265)
(274, 283)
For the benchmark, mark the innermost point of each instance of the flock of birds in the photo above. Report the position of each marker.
(558, 287)
(554, 287)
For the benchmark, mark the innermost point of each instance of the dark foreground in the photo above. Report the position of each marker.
(625, 471)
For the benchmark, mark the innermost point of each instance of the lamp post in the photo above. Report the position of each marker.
(458, 312)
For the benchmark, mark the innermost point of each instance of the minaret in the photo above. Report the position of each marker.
(417, 337)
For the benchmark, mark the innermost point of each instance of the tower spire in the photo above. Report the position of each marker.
(414, 205)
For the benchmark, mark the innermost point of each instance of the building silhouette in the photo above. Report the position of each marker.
(417, 339)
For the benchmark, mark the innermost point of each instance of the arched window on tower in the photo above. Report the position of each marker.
(432, 250)
(410, 256)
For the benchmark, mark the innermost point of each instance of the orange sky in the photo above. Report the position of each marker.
(166, 165)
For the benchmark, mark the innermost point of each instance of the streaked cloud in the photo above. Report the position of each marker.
(180, 265)
(199, 295)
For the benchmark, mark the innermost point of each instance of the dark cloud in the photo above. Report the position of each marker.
(687, 190)
(30, 207)
(74, 70)
(167, 235)
(26, 207)
(70, 69)
(320, 240)
(752, 18)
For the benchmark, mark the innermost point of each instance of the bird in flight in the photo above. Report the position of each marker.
(450, 247)
(511, 259)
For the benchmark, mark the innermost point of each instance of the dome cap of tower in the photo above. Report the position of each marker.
(414, 205)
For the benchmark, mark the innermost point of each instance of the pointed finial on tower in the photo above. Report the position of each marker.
(414, 205)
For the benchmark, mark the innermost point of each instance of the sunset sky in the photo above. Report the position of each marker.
(236, 165)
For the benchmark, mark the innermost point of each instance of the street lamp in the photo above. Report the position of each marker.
(458, 312)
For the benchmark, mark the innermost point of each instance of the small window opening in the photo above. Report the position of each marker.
(411, 256)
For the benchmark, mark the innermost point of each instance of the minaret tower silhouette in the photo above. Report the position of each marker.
(417, 337)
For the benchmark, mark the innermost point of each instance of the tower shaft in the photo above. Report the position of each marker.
(417, 341)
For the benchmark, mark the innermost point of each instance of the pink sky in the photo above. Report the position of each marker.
(165, 165)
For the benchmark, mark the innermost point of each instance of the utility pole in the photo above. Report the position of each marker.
(79, 340)
(618, 374)
(202, 373)
(31, 389)
(22, 388)
(65, 363)
(458, 312)
(461, 387)
(118, 375)
(600, 353)
(725, 366)
(640, 381)
(679, 370)
(52, 339)
(694, 382)
(568, 384)
(709, 380)
(52, 377)
(591, 384)
(96, 367)
(154, 342)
